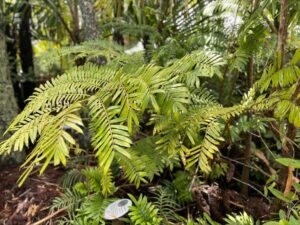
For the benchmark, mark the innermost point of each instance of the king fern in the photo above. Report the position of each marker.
(188, 124)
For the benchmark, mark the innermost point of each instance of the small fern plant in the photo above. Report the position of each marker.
(143, 212)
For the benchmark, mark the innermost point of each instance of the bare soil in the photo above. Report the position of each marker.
(31, 202)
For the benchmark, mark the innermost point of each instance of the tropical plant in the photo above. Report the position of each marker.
(115, 100)
(143, 212)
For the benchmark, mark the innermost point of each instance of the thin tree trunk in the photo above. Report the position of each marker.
(146, 38)
(248, 138)
(11, 47)
(74, 9)
(8, 103)
(287, 147)
(118, 12)
(282, 31)
(26, 53)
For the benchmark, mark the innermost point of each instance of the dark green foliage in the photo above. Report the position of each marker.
(143, 212)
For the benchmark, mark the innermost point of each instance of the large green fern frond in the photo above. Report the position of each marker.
(59, 93)
(54, 141)
(109, 135)
(284, 77)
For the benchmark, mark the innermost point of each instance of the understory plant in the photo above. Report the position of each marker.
(143, 121)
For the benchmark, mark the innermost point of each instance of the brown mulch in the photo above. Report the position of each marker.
(216, 202)
(31, 202)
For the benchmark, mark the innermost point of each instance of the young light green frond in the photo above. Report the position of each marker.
(186, 128)
(125, 93)
(209, 120)
(204, 152)
(279, 78)
(107, 183)
(25, 133)
(174, 99)
(53, 143)
(57, 94)
(169, 142)
(195, 65)
(149, 81)
(109, 135)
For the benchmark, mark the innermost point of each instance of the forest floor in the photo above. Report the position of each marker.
(31, 202)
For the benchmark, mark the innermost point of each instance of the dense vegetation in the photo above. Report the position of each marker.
(199, 125)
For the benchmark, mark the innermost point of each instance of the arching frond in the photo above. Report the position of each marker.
(195, 65)
(54, 141)
(279, 78)
(60, 92)
(88, 49)
(108, 134)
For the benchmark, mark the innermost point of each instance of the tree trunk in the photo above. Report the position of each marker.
(90, 27)
(26, 53)
(282, 31)
(248, 137)
(91, 31)
(74, 9)
(146, 38)
(287, 148)
(8, 104)
(118, 12)
(11, 47)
